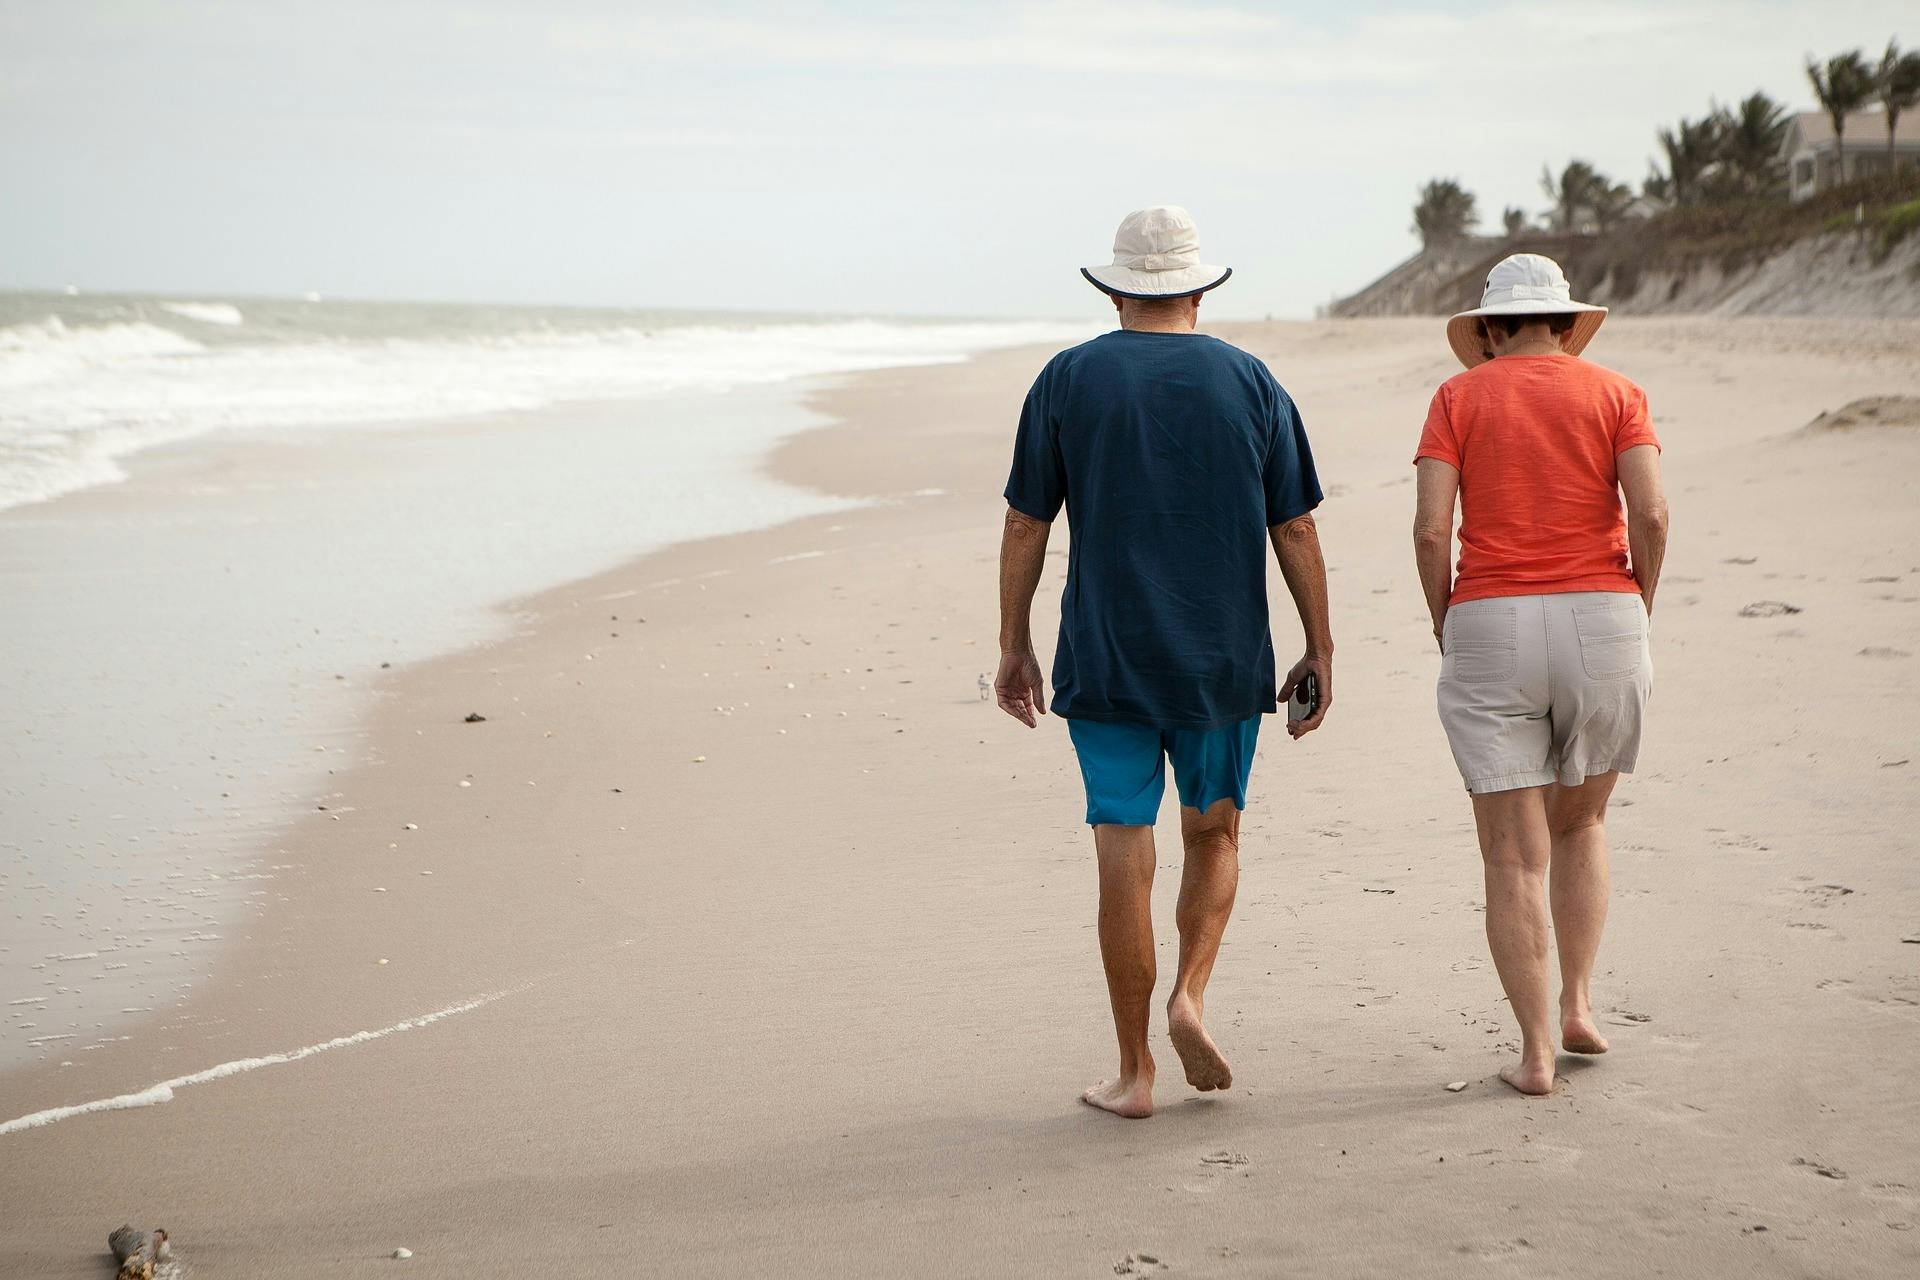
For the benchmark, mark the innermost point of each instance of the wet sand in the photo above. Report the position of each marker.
(783, 939)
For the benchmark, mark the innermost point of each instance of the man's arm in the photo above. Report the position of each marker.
(1433, 537)
(1019, 686)
(1646, 516)
(1296, 544)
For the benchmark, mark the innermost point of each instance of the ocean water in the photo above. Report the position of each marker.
(87, 380)
(220, 517)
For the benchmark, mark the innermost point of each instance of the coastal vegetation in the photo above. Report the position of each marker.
(1722, 177)
(1727, 193)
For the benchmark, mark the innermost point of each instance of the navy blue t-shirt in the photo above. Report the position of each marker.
(1173, 454)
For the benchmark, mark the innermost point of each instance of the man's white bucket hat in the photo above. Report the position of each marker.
(1156, 254)
(1524, 284)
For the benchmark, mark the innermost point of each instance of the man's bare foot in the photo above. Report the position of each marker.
(1579, 1035)
(1206, 1069)
(1130, 1098)
(1531, 1076)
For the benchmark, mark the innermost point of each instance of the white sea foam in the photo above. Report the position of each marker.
(78, 398)
(206, 312)
(154, 1095)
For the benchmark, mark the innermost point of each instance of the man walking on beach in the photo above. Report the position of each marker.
(1178, 458)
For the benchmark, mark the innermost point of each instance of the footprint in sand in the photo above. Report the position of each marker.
(1880, 651)
(1824, 1170)
(1496, 1248)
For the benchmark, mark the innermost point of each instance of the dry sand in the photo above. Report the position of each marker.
(791, 934)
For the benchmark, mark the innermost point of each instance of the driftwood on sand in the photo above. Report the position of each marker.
(140, 1255)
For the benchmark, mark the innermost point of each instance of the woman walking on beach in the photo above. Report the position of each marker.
(1545, 668)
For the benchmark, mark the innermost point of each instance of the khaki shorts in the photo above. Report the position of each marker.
(1539, 689)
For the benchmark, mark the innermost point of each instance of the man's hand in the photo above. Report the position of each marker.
(1322, 669)
(1019, 688)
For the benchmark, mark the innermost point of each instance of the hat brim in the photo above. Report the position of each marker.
(1148, 285)
(1463, 330)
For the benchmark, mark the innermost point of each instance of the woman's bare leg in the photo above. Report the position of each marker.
(1514, 847)
(1578, 886)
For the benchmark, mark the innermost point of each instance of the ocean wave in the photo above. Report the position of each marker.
(79, 398)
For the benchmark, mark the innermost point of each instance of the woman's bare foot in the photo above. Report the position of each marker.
(1532, 1075)
(1579, 1035)
(1130, 1098)
(1206, 1069)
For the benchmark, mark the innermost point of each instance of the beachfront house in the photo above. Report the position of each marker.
(1813, 162)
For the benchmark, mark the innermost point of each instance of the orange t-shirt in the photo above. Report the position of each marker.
(1535, 439)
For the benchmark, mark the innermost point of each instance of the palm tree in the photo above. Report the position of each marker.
(1609, 202)
(1749, 141)
(1690, 149)
(1656, 185)
(1897, 83)
(1843, 85)
(1576, 191)
(1444, 213)
(1514, 220)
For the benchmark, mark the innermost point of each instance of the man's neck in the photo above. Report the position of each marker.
(1157, 326)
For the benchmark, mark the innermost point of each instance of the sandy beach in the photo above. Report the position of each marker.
(743, 938)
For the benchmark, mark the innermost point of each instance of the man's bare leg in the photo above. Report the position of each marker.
(1126, 948)
(1578, 887)
(1514, 845)
(1208, 880)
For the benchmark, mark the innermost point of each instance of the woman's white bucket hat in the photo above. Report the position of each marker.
(1156, 254)
(1524, 284)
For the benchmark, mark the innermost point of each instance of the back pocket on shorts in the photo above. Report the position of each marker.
(1483, 643)
(1612, 638)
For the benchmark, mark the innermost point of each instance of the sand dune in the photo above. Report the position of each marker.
(797, 932)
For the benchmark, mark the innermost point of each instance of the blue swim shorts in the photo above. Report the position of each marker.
(1125, 767)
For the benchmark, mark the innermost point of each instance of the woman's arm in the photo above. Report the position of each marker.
(1433, 536)
(1639, 469)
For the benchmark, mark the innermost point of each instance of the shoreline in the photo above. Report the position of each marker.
(310, 548)
(893, 906)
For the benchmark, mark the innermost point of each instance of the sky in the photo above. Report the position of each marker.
(928, 159)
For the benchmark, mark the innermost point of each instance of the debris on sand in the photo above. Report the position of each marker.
(1456, 1086)
(474, 717)
(1224, 1157)
(141, 1255)
(1769, 609)
(403, 1253)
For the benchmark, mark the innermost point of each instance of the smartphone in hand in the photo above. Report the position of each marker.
(1304, 702)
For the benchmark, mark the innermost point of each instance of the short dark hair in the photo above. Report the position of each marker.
(1557, 322)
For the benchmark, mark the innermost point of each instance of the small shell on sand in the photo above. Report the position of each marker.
(465, 783)
(413, 826)
(1456, 1086)
(699, 759)
(403, 1253)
